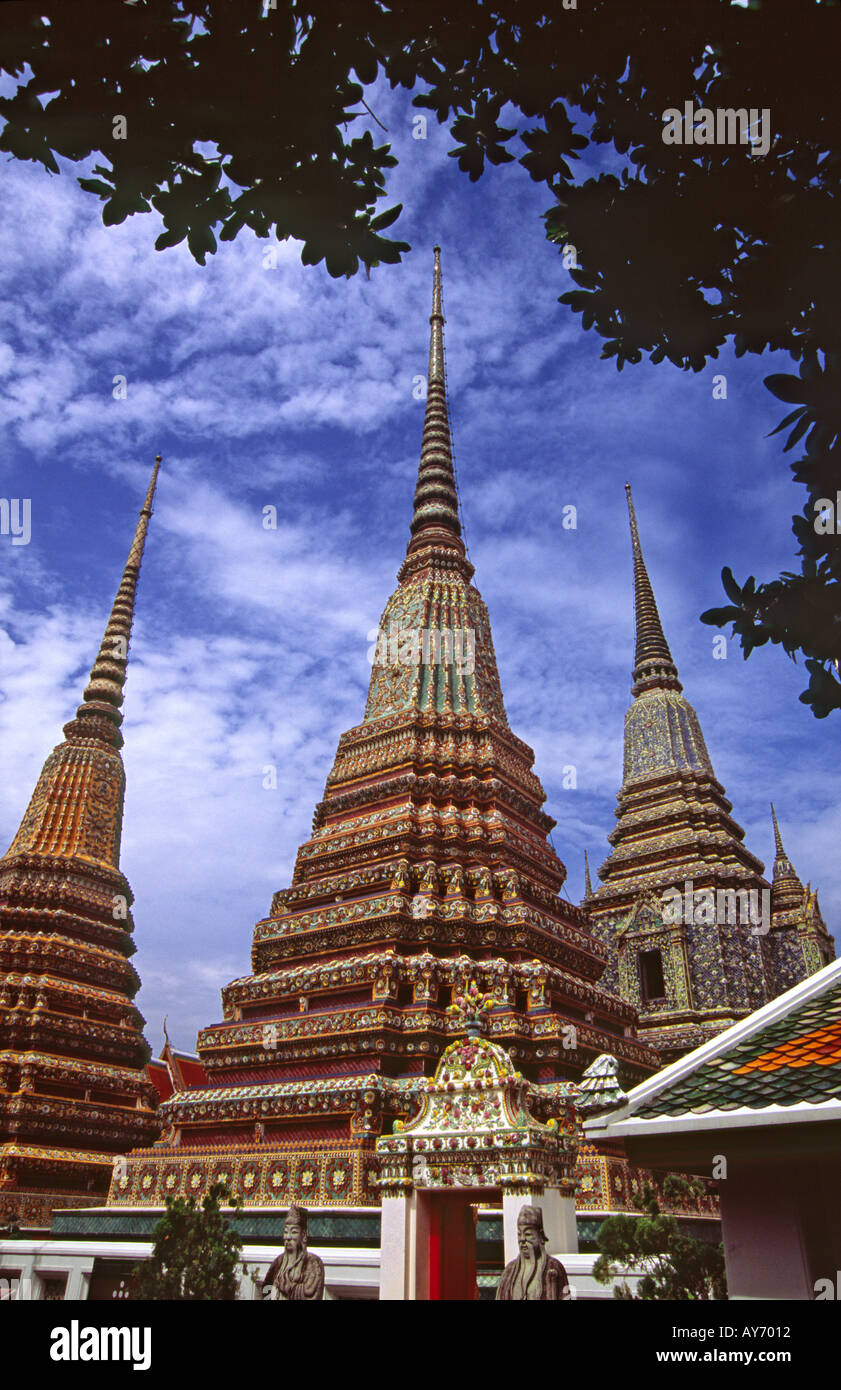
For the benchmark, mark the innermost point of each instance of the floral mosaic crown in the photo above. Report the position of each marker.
(469, 1008)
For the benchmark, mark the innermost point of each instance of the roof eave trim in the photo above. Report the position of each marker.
(803, 1112)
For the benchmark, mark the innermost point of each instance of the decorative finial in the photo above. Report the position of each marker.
(599, 1087)
(653, 664)
(778, 839)
(635, 537)
(469, 1007)
(588, 887)
(436, 322)
(99, 716)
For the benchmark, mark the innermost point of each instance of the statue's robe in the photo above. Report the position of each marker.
(296, 1278)
(549, 1281)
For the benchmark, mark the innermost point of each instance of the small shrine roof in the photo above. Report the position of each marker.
(473, 1127)
(796, 1059)
(782, 1064)
(158, 1073)
(175, 1071)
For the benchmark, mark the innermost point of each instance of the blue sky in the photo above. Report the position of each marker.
(283, 387)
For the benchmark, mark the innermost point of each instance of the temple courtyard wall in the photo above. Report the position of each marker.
(98, 1269)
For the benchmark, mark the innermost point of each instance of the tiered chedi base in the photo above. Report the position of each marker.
(675, 829)
(676, 834)
(72, 1090)
(327, 1042)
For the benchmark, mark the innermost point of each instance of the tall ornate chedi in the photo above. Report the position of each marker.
(697, 938)
(73, 1092)
(428, 867)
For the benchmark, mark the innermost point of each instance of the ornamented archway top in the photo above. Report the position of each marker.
(475, 1129)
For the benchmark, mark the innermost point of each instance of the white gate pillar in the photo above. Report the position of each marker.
(398, 1222)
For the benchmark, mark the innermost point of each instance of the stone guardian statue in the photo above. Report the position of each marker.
(296, 1274)
(534, 1274)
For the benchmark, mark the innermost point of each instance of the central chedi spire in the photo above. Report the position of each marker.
(661, 727)
(436, 516)
(653, 664)
(435, 650)
(73, 1093)
(429, 867)
(683, 907)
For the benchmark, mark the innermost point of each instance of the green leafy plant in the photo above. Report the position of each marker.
(196, 1252)
(676, 1266)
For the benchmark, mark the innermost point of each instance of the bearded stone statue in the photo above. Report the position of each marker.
(296, 1274)
(534, 1274)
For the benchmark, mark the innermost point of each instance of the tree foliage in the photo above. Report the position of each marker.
(802, 612)
(677, 1266)
(232, 118)
(237, 117)
(196, 1252)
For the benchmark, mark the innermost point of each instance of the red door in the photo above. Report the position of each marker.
(452, 1248)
